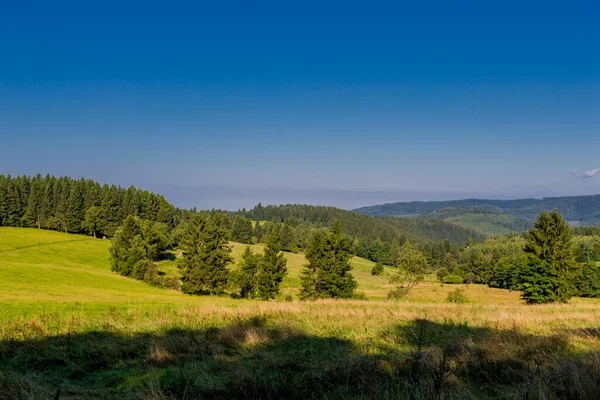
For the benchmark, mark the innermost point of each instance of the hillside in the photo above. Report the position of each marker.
(364, 226)
(486, 220)
(62, 270)
(579, 210)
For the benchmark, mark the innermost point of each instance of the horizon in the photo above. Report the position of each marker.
(226, 107)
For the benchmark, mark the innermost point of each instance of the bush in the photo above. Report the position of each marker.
(359, 296)
(398, 293)
(457, 296)
(453, 279)
(377, 269)
(469, 277)
(288, 298)
(442, 273)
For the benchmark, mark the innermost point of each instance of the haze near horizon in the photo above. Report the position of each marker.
(337, 105)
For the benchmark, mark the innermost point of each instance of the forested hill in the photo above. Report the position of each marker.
(363, 226)
(77, 206)
(579, 210)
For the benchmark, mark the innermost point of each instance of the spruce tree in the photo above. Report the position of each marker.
(75, 207)
(550, 272)
(126, 249)
(272, 269)
(93, 220)
(206, 255)
(327, 275)
(247, 273)
(241, 230)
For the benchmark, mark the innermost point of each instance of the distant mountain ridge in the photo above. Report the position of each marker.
(578, 210)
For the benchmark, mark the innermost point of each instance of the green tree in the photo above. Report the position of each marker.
(206, 256)
(588, 282)
(327, 274)
(127, 250)
(412, 267)
(246, 277)
(241, 229)
(377, 269)
(272, 269)
(394, 252)
(550, 272)
(75, 208)
(93, 220)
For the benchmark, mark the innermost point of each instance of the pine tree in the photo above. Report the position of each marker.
(241, 230)
(206, 255)
(33, 215)
(93, 220)
(247, 274)
(551, 270)
(75, 207)
(126, 249)
(395, 252)
(327, 274)
(272, 269)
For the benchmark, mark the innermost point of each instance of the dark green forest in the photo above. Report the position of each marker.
(78, 206)
(583, 210)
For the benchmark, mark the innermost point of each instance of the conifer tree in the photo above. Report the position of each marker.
(75, 208)
(247, 274)
(327, 274)
(126, 248)
(206, 255)
(93, 220)
(550, 272)
(272, 269)
(241, 229)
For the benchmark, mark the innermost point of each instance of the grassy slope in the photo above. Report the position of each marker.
(487, 224)
(58, 270)
(216, 347)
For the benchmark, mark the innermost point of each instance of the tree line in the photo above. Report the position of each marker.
(78, 206)
(549, 263)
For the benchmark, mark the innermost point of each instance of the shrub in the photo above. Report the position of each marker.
(377, 269)
(359, 296)
(453, 279)
(469, 277)
(398, 293)
(442, 273)
(457, 296)
(288, 298)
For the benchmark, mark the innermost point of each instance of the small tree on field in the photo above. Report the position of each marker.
(272, 269)
(377, 269)
(550, 272)
(412, 267)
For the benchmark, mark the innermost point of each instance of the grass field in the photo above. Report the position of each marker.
(71, 328)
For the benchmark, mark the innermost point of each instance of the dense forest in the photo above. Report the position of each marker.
(583, 210)
(78, 206)
(363, 226)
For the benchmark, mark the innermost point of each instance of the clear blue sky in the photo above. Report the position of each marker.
(323, 103)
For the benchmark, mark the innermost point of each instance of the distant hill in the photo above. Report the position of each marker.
(578, 210)
(486, 220)
(364, 226)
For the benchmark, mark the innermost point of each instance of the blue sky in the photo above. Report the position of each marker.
(322, 103)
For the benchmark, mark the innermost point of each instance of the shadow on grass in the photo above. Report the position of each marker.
(256, 359)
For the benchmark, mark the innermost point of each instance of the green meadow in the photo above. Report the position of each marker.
(72, 329)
